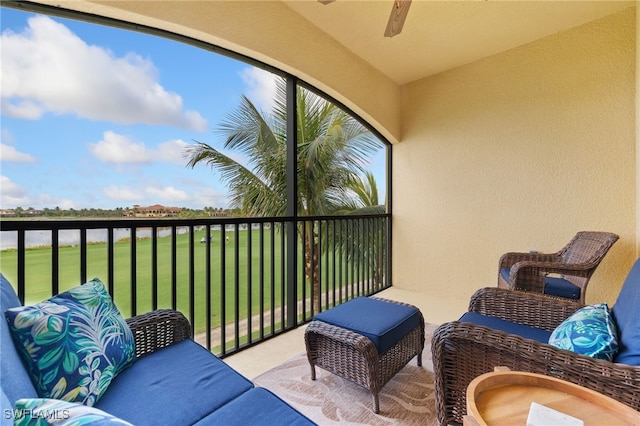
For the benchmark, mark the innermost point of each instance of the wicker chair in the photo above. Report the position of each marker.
(573, 267)
(463, 350)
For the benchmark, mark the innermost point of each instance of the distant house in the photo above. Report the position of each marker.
(156, 210)
(7, 212)
(220, 213)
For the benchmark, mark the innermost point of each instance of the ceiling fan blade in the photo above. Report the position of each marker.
(397, 17)
(326, 1)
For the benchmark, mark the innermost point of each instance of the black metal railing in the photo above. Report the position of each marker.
(239, 280)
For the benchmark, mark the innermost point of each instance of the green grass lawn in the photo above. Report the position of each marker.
(269, 284)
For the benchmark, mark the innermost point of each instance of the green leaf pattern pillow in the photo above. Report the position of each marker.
(73, 344)
(589, 331)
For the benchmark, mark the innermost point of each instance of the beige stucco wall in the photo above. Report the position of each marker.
(515, 152)
(637, 128)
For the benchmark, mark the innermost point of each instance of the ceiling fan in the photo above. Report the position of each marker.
(396, 19)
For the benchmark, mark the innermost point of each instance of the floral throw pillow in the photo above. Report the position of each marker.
(73, 344)
(589, 331)
(44, 412)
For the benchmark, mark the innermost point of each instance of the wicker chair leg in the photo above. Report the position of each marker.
(376, 403)
(419, 356)
(313, 372)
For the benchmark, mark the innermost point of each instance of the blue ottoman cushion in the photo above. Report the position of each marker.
(177, 385)
(385, 323)
(256, 407)
(495, 323)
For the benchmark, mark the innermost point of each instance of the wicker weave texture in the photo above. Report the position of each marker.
(463, 351)
(533, 309)
(355, 357)
(158, 329)
(576, 262)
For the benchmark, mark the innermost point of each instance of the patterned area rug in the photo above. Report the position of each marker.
(408, 399)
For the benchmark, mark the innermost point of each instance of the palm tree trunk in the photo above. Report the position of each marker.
(312, 267)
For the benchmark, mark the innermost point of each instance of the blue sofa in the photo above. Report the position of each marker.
(173, 381)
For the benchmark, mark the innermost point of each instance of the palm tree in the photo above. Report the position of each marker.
(356, 242)
(333, 149)
(365, 196)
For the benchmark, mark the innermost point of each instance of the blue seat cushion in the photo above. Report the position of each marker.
(256, 407)
(495, 323)
(554, 286)
(14, 379)
(505, 273)
(45, 411)
(177, 385)
(627, 316)
(6, 419)
(385, 323)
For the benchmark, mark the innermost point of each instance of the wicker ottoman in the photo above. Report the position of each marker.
(366, 341)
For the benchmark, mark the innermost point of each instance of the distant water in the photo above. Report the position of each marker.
(70, 237)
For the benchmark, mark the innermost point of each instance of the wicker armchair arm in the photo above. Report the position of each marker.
(463, 351)
(507, 260)
(158, 329)
(576, 269)
(534, 309)
(529, 275)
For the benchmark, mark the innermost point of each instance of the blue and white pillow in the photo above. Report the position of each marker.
(589, 331)
(45, 412)
(73, 344)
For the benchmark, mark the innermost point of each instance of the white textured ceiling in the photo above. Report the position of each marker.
(440, 35)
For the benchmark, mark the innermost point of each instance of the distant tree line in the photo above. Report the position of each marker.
(118, 212)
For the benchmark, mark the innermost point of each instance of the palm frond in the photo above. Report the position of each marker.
(332, 148)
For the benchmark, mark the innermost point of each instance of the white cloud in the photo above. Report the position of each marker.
(119, 193)
(9, 153)
(171, 152)
(47, 68)
(116, 148)
(51, 201)
(120, 149)
(6, 136)
(167, 194)
(12, 194)
(209, 197)
(21, 108)
(261, 87)
(193, 195)
(146, 194)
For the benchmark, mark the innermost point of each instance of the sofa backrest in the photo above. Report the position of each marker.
(14, 378)
(626, 312)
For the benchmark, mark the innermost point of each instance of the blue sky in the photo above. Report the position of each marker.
(94, 116)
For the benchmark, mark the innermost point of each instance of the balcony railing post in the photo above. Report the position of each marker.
(292, 201)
